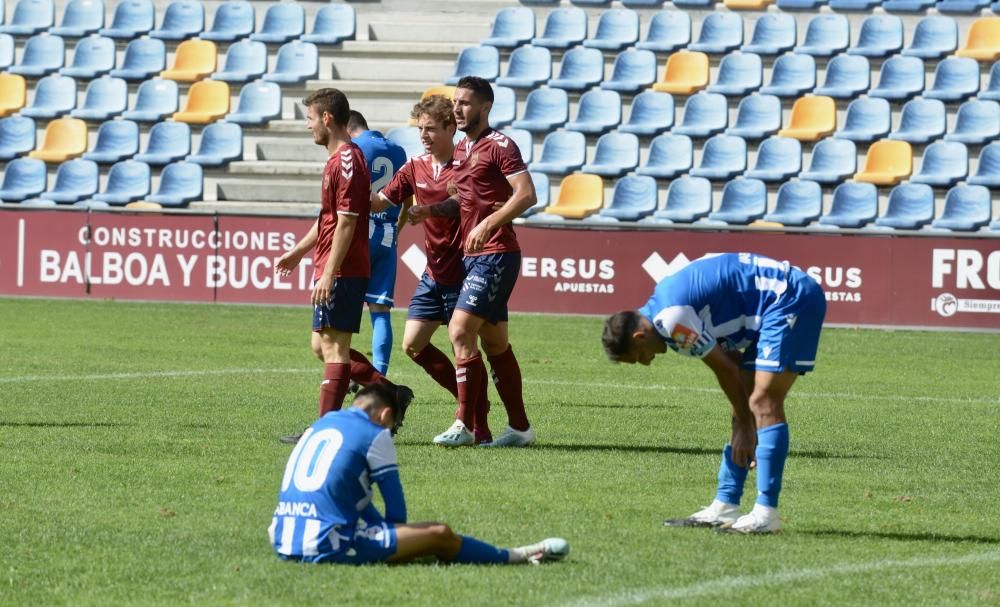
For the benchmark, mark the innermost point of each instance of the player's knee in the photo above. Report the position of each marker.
(461, 336)
(317, 351)
(764, 405)
(412, 349)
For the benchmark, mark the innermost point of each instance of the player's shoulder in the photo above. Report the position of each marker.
(497, 139)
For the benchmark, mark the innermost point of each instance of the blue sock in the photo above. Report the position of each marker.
(772, 449)
(475, 551)
(381, 341)
(731, 478)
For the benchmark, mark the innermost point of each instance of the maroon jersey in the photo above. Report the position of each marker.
(430, 183)
(483, 168)
(346, 191)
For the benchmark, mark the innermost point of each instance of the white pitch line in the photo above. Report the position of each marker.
(777, 578)
(147, 375)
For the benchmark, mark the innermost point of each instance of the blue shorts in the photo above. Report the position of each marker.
(489, 281)
(342, 311)
(789, 329)
(370, 544)
(382, 284)
(433, 300)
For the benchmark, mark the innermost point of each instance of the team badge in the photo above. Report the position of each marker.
(473, 160)
(452, 188)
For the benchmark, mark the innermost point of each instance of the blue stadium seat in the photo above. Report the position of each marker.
(504, 110)
(564, 28)
(867, 119)
(966, 209)
(880, 36)
(977, 122)
(599, 111)
(80, 18)
(921, 121)
(705, 114)
(945, 163)
(616, 154)
(233, 20)
(688, 200)
(988, 167)
(297, 62)
(221, 143)
(283, 21)
(116, 140)
(155, 100)
(773, 34)
(757, 116)
(854, 5)
(668, 31)
(826, 35)
(933, 38)
(617, 28)
(132, 18)
(544, 110)
(6, 51)
(106, 97)
(723, 157)
(43, 54)
(528, 67)
(634, 69)
(128, 181)
(652, 113)
(581, 68)
(739, 74)
(30, 17)
(408, 137)
(900, 78)
(743, 201)
(75, 179)
(259, 103)
(168, 141)
(791, 76)
(524, 142)
(854, 205)
(541, 183)
(562, 152)
(17, 136)
(23, 178)
(55, 96)
(183, 19)
(847, 76)
(93, 56)
(693, 3)
(962, 7)
(798, 203)
(633, 198)
(597, 3)
(144, 58)
(333, 24)
(482, 61)
(670, 155)
(245, 60)
(778, 159)
(992, 90)
(801, 5)
(643, 3)
(833, 161)
(180, 183)
(720, 33)
(910, 207)
(955, 79)
(512, 27)
(908, 6)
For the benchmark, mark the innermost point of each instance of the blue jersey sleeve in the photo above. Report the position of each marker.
(684, 331)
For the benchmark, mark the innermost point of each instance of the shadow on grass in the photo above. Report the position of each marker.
(683, 450)
(904, 537)
(4, 424)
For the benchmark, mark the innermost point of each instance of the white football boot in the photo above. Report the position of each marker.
(513, 438)
(715, 515)
(549, 549)
(761, 520)
(455, 436)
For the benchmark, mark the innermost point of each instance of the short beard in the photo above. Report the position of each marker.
(471, 124)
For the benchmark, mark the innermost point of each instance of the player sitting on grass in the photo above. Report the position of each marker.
(325, 512)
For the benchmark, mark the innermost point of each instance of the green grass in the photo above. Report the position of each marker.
(139, 465)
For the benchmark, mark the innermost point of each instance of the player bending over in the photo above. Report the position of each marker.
(713, 309)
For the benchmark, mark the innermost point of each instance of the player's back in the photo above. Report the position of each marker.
(384, 158)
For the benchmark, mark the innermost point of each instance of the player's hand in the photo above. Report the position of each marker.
(321, 290)
(286, 263)
(497, 206)
(478, 236)
(418, 213)
(744, 442)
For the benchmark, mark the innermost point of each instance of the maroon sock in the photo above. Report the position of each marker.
(482, 424)
(507, 379)
(469, 374)
(439, 367)
(363, 372)
(336, 376)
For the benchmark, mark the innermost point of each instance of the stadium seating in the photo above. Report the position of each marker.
(599, 111)
(833, 161)
(116, 140)
(545, 109)
(633, 70)
(854, 205)
(651, 114)
(616, 154)
(93, 56)
(826, 35)
(977, 122)
(955, 79)
(523, 140)
(154, 100)
(966, 209)
(283, 21)
(245, 60)
(580, 195)
(128, 181)
(581, 68)
(748, 5)
(445, 90)
(43, 54)
(797, 5)
(180, 183)
(80, 18)
(880, 36)
(910, 207)
(757, 116)
(195, 59)
(332, 25)
(233, 20)
(988, 167)
(888, 162)
(23, 178)
(668, 31)
(633, 198)
(132, 18)
(720, 33)
(504, 110)
(723, 157)
(617, 28)
(75, 180)
(221, 143)
(813, 117)
(791, 76)
(259, 102)
(564, 28)
(933, 38)
(562, 152)
(961, 6)
(705, 114)
(847, 76)
(482, 61)
(992, 90)
(13, 93)
(899, 79)
(17, 136)
(739, 74)
(688, 200)
(983, 40)
(408, 138)
(208, 100)
(773, 34)
(907, 6)
(297, 62)
(685, 73)
(528, 67)
(30, 17)
(778, 159)
(168, 142)
(854, 5)
(867, 119)
(144, 58)
(743, 201)
(921, 121)
(683, 4)
(56, 95)
(798, 203)
(945, 163)
(670, 155)
(106, 97)
(541, 183)
(183, 19)
(6, 51)
(512, 27)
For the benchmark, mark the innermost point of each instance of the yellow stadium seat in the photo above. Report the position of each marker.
(13, 93)
(143, 205)
(686, 73)
(194, 60)
(443, 89)
(760, 223)
(65, 138)
(580, 195)
(983, 41)
(748, 5)
(207, 101)
(887, 163)
(813, 118)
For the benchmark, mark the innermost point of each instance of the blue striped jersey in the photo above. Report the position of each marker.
(384, 158)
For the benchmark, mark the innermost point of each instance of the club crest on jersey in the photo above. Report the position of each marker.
(683, 336)
(471, 162)
(452, 188)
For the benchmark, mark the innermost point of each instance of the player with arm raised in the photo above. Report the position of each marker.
(756, 323)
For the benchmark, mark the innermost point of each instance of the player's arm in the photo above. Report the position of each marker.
(290, 260)
(342, 235)
(520, 200)
(384, 472)
(446, 208)
(404, 214)
(727, 373)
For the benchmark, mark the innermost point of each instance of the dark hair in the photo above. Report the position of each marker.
(438, 107)
(480, 87)
(357, 121)
(384, 396)
(330, 101)
(618, 330)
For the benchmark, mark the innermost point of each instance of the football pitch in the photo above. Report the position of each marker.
(139, 464)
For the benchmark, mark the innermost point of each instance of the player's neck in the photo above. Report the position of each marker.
(337, 139)
(443, 156)
(474, 135)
